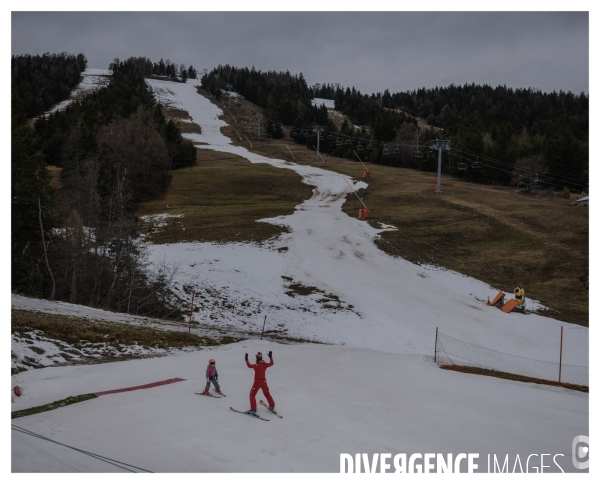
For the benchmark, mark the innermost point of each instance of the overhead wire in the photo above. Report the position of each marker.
(108, 460)
(493, 160)
(546, 179)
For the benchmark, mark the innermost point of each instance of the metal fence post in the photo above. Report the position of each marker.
(263, 330)
(560, 357)
(191, 312)
(435, 352)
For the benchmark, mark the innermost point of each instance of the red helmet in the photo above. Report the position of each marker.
(259, 356)
(211, 361)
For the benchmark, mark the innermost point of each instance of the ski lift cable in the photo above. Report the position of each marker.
(493, 160)
(548, 180)
(518, 174)
(547, 177)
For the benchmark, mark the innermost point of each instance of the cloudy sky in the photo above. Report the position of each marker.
(371, 51)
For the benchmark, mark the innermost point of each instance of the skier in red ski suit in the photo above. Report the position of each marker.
(260, 381)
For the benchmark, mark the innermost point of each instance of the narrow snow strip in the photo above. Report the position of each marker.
(141, 387)
(329, 103)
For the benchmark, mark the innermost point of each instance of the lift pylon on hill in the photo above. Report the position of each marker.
(440, 145)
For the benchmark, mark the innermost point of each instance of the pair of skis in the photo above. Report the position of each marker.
(211, 395)
(257, 416)
(245, 413)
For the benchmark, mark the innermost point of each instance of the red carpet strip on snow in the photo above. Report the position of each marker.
(141, 387)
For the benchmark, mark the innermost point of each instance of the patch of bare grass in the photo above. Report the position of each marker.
(511, 376)
(52, 406)
(221, 199)
(55, 172)
(78, 332)
(183, 118)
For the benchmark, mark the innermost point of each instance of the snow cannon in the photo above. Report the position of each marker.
(520, 295)
(498, 301)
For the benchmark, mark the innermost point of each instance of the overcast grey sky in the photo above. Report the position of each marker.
(371, 51)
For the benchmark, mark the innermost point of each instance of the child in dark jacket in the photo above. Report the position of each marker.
(212, 376)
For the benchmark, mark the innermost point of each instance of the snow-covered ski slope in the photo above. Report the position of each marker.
(390, 304)
(376, 391)
(334, 399)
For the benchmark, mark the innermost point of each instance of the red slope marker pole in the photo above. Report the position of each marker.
(360, 199)
(367, 171)
(237, 133)
(293, 157)
(319, 155)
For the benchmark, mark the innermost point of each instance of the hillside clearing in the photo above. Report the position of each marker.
(492, 233)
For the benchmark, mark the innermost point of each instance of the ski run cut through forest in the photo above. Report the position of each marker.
(367, 383)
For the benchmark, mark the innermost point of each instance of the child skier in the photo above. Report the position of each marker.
(260, 381)
(212, 376)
